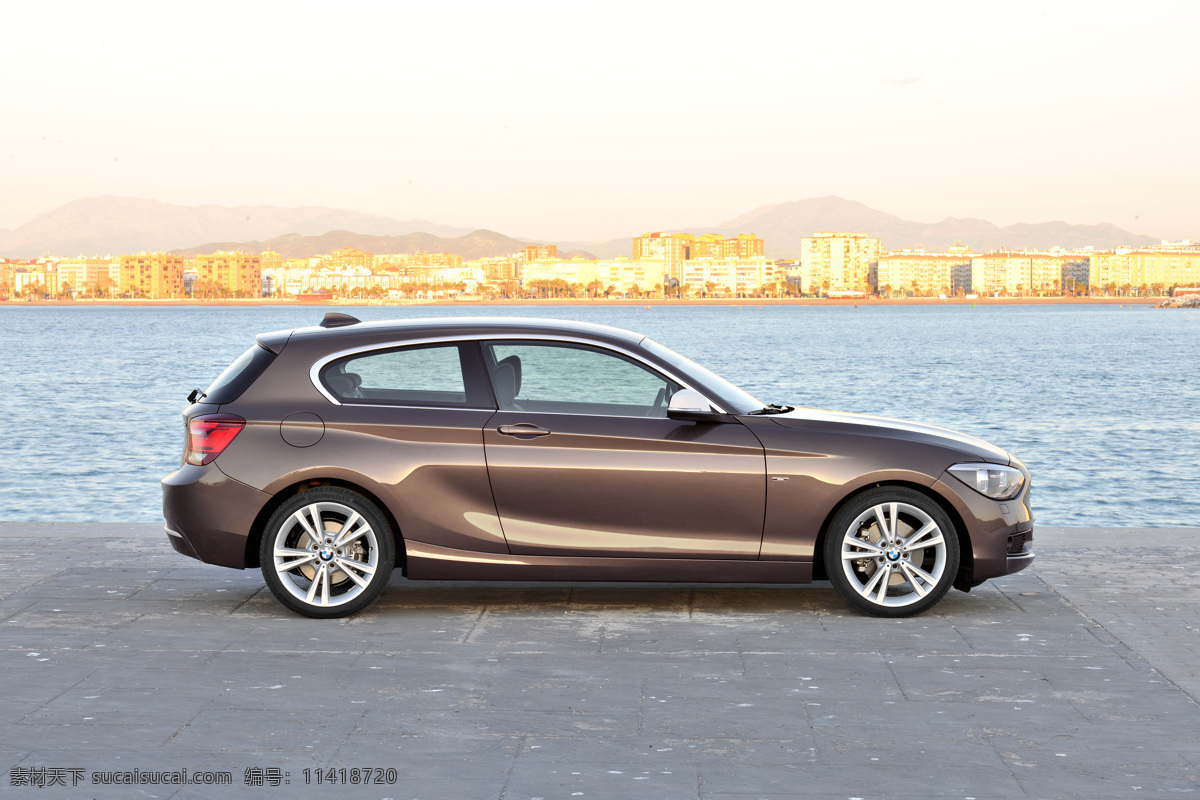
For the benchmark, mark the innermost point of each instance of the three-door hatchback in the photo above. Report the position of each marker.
(510, 449)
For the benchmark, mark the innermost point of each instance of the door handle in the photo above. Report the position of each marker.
(523, 430)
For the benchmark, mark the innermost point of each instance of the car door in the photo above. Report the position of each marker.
(408, 417)
(584, 461)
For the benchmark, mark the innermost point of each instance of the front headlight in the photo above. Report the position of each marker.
(991, 480)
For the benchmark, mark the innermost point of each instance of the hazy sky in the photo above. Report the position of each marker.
(589, 121)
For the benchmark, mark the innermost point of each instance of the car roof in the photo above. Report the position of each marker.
(452, 326)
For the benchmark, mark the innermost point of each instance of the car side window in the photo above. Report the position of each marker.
(566, 378)
(422, 375)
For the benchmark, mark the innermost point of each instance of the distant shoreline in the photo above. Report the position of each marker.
(575, 301)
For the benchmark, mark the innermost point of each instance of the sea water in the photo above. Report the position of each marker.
(1102, 403)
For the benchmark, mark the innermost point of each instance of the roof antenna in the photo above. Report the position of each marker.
(335, 320)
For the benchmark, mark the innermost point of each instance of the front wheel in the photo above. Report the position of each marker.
(891, 552)
(327, 552)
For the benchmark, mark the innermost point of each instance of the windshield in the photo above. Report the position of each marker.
(735, 399)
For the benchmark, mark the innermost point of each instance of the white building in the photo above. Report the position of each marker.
(838, 261)
(734, 276)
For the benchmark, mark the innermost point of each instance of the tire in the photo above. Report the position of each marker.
(327, 552)
(891, 552)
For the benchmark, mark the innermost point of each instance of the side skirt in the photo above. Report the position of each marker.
(430, 562)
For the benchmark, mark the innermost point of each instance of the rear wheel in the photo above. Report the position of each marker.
(891, 552)
(327, 552)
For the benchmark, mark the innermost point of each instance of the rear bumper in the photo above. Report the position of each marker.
(209, 515)
(180, 542)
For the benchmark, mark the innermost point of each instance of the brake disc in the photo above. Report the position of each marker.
(355, 551)
(868, 566)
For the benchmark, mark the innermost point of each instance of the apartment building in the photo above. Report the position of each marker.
(685, 246)
(468, 277)
(499, 269)
(742, 246)
(396, 277)
(838, 262)
(85, 276)
(288, 276)
(708, 245)
(340, 281)
(729, 276)
(446, 260)
(1157, 268)
(270, 260)
(154, 276)
(1020, 272)
(418, 260)
(920, 273)
(35, 279)
(535, 252)
(671, 248)
(624, 274)
(349, 258)
(233, 274)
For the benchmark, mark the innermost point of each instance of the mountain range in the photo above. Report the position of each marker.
(783, 225)
(476, 244)
(111, 225)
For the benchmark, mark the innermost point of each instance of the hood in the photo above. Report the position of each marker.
(866, 424)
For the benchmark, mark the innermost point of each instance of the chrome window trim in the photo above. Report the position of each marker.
(426, 408)
(314, 372)
(573, 414)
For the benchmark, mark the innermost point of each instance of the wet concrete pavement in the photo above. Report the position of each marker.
(1077, 678)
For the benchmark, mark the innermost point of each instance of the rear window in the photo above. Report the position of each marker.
(435, 375)
(238, 376)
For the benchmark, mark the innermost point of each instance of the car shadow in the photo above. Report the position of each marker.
(525, 596)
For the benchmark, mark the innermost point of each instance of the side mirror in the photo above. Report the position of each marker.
(688, 404)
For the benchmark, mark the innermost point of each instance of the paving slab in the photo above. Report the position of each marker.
(1079, 678)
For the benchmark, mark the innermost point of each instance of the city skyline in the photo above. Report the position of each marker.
(664, 265)
(549, 124)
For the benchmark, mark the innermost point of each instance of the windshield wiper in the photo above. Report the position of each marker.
(773, 408)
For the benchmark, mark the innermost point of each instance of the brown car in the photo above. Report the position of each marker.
(509, 449)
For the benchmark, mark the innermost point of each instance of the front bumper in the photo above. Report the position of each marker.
(1001, 533)
(209, 515)
(1019, 554)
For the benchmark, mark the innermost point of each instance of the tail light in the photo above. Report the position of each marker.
(209, 435)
